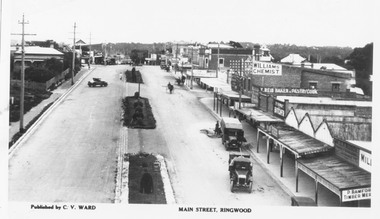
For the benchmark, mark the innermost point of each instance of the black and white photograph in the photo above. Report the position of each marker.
(185, 109)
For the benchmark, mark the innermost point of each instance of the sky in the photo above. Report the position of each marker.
(302, 22)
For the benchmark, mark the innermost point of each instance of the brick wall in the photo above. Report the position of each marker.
(227, 59)
(325, 80)
(290, 78)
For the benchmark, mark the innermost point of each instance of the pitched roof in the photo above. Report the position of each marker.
(40, 50)
(293, 58)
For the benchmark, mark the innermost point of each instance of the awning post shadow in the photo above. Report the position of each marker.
(316, 190)
(217, 103)
(258, 141)
(296, 166)
(221, 102)
(268, 151)
(282, 149)
(214, 101)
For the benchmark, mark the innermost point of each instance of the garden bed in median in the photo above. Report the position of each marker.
(144, 180)
(138, 113)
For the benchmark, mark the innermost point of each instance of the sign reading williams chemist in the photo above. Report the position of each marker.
(265, 68)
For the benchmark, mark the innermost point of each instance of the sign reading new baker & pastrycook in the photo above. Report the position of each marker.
(288, 90)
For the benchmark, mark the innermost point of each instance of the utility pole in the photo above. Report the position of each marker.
(192, 75)
(73, 65)
(90, 58)
(217, 63)
(22, 92)
(175, 65)
(241, 81)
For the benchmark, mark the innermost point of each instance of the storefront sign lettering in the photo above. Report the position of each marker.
(288, 90)
(365, 160)
(264, 68)
(356, 194)
(279, 109)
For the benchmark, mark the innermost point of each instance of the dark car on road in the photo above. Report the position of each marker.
(97, 82)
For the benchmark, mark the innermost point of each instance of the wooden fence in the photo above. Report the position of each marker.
(39, 85)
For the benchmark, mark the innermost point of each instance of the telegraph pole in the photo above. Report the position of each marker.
(90, 58)
(217, 63)
(22, 92)
(73, 65)
(192, 74)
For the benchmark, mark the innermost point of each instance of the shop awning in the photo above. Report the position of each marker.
(296, 141)
(216, 83)
(233, 95)
(258, 115)
(197, 73)
(346, 180)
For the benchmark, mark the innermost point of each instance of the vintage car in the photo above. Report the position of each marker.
(240, 168)
(232, 133)
(97, 82)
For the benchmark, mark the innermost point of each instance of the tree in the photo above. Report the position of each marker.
(38, 74)
(361, 59)
(54, 65)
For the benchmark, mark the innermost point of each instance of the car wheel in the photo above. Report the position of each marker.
(231, 185)
(250, 187)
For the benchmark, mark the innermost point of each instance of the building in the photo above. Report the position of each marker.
(34, 56)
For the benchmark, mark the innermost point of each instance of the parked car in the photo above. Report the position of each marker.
(97, 82)
(232, 133)
(240, 168)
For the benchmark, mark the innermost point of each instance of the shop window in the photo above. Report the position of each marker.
(221, 62)
(335, 87)
(313, 85)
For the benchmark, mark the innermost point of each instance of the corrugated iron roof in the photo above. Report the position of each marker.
(299, 142)
(338, 172)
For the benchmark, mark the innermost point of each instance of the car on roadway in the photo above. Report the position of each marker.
(97, 82)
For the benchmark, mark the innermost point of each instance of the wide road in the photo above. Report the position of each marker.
(198, 165)
(72, 156)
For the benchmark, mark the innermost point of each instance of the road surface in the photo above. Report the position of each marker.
(72, 156)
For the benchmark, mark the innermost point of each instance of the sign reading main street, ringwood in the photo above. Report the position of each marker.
(265, 68)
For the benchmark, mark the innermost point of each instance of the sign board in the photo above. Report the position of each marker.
(236, 82)
(274, 132)
(279, 108)
(356, 194)
(202, 73)
(266, 68)
(365, 160)
(288, 90)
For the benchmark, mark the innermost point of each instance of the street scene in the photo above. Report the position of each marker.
(222, 124)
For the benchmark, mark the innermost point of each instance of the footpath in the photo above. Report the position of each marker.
(306, 185)
(14, 127)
